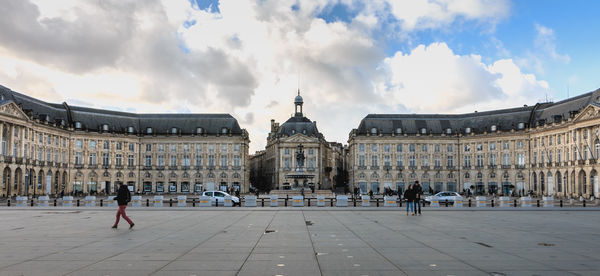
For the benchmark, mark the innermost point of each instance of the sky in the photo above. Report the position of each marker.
(348, 58)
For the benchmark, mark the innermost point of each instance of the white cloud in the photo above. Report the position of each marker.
(432, 79)
(250, 58)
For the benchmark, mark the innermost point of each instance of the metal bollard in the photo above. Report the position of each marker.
(492, 202)
(54, 202)
(332, 202)
(193, 202)
(538, 203)
(561, 203)
(262, 202)
(8, 203)
(101, 202)
(170, 202)
(147, 202)
(584, 203)
(354, 202)
(32, 202)
(377, 202)
(469, 202)
(400, 202)
(78, 203)
(515, 203)
(286, 199)
(309, 202)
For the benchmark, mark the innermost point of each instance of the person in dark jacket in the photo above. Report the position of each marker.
(123, 197)
(418, 191)
(409, 196)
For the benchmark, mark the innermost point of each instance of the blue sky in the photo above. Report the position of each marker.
(349, 58)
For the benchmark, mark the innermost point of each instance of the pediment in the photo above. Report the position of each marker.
(589, 112)
(11, 109)
(299, 138)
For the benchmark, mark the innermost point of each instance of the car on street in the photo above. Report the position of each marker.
(443, 196)
(219, 196)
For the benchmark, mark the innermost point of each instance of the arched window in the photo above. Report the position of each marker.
(374, 130)
(173, 175)
(505, 175)
(160, 175)
(147, 175)
(479, 175)
(399, 130)
(374, 175)
(425, 175)
(186, 175)
(198, 175)
(400, 175)
(223, 175)
(361, 175)
(211, 175)
(199, 130)
(224, 130)
(132, 175)
(236, 175)
(467, 175)
(492, 175)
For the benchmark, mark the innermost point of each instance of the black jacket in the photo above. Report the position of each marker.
(409, 195)
(418, 191)
(123, 195)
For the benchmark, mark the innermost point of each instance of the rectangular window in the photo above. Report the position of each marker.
(78, 144)
(493, 159)
(424, 148)
(106, 145)
(211, 148)
(386, 161)
(361, 147)
(399, 161)
(130, 161)
(506, 159)
(64, 157)
(480, 161)
(374, 147)
(450, 161)
(236, 147)
(287, 151)
(386, 148)
(198, 147)
(450, 148)
(412, 161)
(148, 160)
(119, 160)
(186, 147)
(558, 156)
(186, 160)
(492, 146)
(223, 147)
(467, 147)
(211, 160)
(436, 148)
(173, 161)
(173, 147)
(92, 145)
(399, 148)
(286, 163)
(78, 158)
(361, 160)
(119, 145)
(105, 159)
(236, 160)
(311, 163)
(198, 160)
(48, 154)
(425, 161)
(131, 147)
(479, 147)
(148, 147)
(161, 147)
(505, 145)
(520, 144)
(438, 161)
(161, 160)
(93, 159)
(311, 151)
(411, 147)
(374, 160)
(467, 161)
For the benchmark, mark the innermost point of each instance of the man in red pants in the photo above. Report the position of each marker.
(123, 197)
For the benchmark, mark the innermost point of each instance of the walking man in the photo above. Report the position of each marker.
(418, 191)
(409, 196)
(123, 197)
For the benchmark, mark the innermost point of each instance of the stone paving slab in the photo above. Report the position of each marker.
(299, 241)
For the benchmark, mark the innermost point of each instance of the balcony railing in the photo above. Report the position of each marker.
(424, 167)
(160, 168)
(236, 168)
(19, 160)
(466, 167)
(223, 168)
(522, 166)
(450, 167)
(479, 167)
(310, 169)
(78, 166)
(131, 167)
(173, 168)
(185, 168)
(119, 167)
(374, 167)
(92, 166)
(506, 166)
(387, 168)
(105, 167)
(438, 168)
(147, 168)
(412, 167)
(399, 168)
(362, 167)
(287, 169)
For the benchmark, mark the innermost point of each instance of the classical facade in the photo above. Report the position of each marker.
(548, 148)
(52, 148)
(296, 156)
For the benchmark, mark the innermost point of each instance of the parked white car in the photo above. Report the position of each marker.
(220, 197)
(443, 196)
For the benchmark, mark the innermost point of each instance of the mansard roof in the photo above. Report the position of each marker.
(478, 122)
(299, 124)
(92, 119)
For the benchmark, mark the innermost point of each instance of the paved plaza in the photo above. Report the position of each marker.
(288, 241)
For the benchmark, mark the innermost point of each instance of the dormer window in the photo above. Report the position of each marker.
(77, 125)
(448, 131)
(199, 130)
(493, 128)
(468, 130)
(521, 126)
(173, 130)
(423, 131)
(399, 130)
(304, 131)
(130, 130)
(374, 130)
(104, 127)
(148, 130)
(293, 131)
(224, 130)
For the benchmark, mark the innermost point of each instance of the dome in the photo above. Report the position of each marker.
(299, 125)
(298, 100)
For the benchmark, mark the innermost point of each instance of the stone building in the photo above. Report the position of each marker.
(548, 148)
(50, 148)
(280, 167)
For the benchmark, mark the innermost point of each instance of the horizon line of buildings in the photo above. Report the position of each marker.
(548, 149)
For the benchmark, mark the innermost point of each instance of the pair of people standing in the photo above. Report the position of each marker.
(412, 195)
(123, 197)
